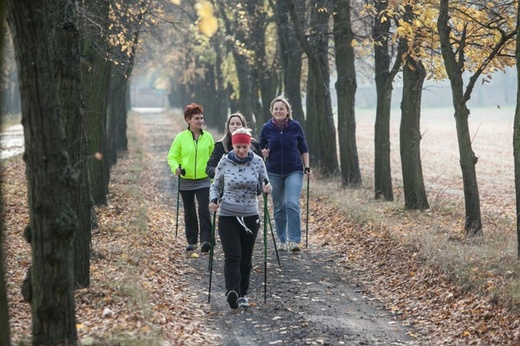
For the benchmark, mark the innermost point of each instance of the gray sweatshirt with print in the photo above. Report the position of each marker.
(238, 186)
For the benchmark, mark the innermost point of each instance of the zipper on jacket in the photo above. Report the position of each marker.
(196, 144)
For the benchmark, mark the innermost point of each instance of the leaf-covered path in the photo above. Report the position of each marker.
(308, 299)
(353, 285)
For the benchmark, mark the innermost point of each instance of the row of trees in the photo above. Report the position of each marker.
(264, 48)
(75, 59)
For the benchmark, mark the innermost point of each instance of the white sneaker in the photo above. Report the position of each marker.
(282, 246)
(294, 247)
(243, 302)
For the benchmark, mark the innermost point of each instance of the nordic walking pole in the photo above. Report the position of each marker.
(307, 217)
(265, 248)
(211, 254)
(266, 210)
(177, 211)
(272, 234)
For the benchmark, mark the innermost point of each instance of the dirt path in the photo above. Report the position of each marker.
(11, 141)
(309, 299)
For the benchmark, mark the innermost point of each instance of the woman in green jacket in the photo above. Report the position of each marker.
(188, 156)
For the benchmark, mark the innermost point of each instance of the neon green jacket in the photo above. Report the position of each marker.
(192, 155)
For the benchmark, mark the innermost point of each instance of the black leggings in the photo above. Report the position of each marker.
(190, 215)
(238, 245)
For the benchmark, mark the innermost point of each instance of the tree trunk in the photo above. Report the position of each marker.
(516, 138)
(5, 336)
(468, 160)
(211, 119)
(120, 91)
(67, 71)
(382, 169)
(96, 80)
(116, 112)
(323, 149)
(346, 86)
(312, 110)
(50, 178)
(410, 136)
(222, 92)
(290, 58)
(264, 73)
(243, 69)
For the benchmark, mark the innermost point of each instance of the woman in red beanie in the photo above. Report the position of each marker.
(239, 178)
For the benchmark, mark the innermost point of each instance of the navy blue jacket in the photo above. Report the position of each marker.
(285, 147)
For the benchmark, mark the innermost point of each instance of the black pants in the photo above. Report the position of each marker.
(238, 245)
(191, 220)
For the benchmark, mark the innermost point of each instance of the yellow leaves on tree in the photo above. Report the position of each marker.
(208, 24)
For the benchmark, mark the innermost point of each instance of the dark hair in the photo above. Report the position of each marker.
(192, 109)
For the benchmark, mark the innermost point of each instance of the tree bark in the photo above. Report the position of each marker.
(410, 129)
(119, 96)
(346, 87)
(5, 336)
(516, 138)
(243, 68)
(323, 146)
(410, 136)
(265, 72)
(67, 71)
(468, 159)
(96, 80)
(383, 78)
(221, 91)
(50, 178)
(116, 112)
(290, 53)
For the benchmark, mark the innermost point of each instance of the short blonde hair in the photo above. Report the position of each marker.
(285, 101)
(242, 130)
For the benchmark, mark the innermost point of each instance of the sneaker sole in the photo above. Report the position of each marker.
(295, 248)
(205, 247)
(232, 298)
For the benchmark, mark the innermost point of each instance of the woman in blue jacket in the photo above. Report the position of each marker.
(285, 149)
(188, 156)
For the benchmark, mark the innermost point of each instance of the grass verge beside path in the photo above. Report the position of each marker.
(138, 293)
(457, 291)
(146, 291)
